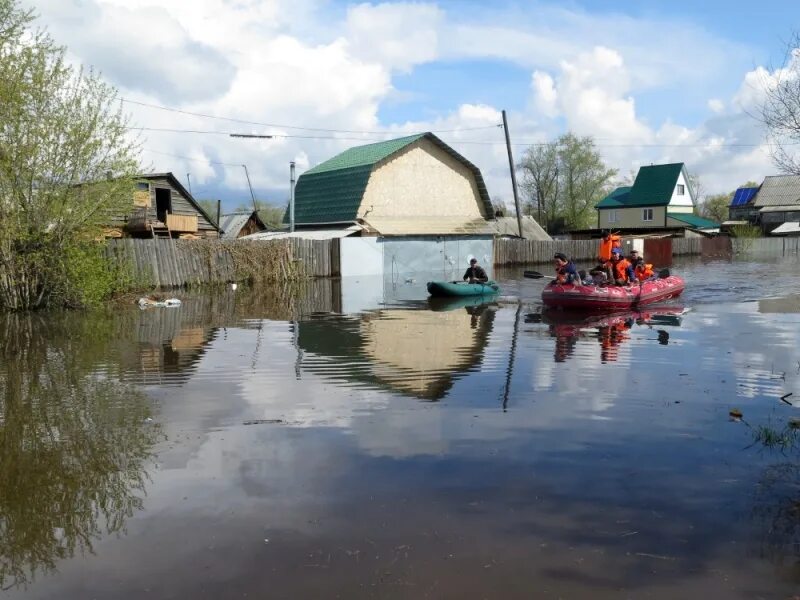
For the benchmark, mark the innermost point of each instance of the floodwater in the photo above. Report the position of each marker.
(257, 444)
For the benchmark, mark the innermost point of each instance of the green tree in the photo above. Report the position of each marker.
(563, 180)
(715, 207)
(66, 164)
(271, 215)
(210, 206)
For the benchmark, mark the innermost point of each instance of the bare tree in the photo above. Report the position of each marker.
(539, 166)
(780, 110)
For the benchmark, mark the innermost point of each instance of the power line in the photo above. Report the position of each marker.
(470, 142)
(247, 122)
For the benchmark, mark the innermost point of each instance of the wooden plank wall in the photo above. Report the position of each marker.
(529, 252)
(168, 263)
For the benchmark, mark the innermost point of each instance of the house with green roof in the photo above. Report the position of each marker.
(411, 186)
(661, 197)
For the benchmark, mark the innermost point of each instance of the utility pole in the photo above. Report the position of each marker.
(513, 174)
(219, 210)
(252, 195)
(189, 181)
(291, 197)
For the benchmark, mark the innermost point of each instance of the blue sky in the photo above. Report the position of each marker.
(652, 81)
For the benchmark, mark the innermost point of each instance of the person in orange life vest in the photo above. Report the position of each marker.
(643, 270)
(566, 271)
(620, 268)
(608, 242)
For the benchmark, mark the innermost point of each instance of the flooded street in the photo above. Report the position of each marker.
(251, 445)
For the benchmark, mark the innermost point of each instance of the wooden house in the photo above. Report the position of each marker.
(411, 186)
(661, 198)
(239, 224)
(162, 207)
(778, 201)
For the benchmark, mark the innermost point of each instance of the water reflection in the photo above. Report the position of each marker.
(610, 330)
(415, 352)
(74, 446)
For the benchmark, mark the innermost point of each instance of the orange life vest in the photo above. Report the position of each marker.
(644, 271)
(606, 246)
(619, 269)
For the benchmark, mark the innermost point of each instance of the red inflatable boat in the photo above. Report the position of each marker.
(612, 297)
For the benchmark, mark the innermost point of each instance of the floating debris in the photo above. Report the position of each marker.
(736, 414)
(264, 422)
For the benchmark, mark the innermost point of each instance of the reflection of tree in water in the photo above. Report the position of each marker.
(73, 447)
(776, 512)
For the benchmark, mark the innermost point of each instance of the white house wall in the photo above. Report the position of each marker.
(424, 181)
(681, 203)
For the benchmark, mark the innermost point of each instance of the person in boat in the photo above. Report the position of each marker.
(620, 270)
(643, 270)
(475, 273)
(566, 271)
(608, 242)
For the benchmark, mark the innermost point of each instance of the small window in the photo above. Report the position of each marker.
(647, 214)
(143, 186)
(612, 216)
(680, 189)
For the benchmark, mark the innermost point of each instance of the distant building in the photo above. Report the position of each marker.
(778, 201)
(162, 207)
(411, 186)
(239, 224)
(660, 199)
(741, 207)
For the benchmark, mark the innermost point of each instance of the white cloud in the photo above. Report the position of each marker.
(397, 35)
(545, 94)
(716, 105)
(310, 63)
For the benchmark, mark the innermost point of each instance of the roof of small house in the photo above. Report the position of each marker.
(786, 228)
(693, 221)
(615, 199)
(175, 182)
(232, 223)
(332, 191)
(653, 186)
(778, 190)
(743, 196)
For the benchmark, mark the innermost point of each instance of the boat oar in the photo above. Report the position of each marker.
(536, 275)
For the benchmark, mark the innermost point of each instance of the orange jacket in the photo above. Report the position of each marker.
(604, 250)
(620, 269)
(644, 271)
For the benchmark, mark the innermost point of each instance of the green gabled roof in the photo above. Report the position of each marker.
(362, 156)
(654, 185)
(332, 191)
(693, 220)
(615, 199)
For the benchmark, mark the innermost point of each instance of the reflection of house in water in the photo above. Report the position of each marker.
(418, 353)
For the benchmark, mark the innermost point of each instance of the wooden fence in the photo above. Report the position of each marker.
(529, 252)
(168, 263)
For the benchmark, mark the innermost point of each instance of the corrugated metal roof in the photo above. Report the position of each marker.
(654, 185)
(332, 191)
(780, 208)
(530, 228)
(231, 224)
(361, 156)
(743, 196)
(693, 220)
(304, 234)
(779, 190)
(391, 226)
(615, 199)
(788, 227)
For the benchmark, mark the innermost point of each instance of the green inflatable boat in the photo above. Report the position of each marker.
(442, 289)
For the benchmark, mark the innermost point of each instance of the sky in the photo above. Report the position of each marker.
(651, 81)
